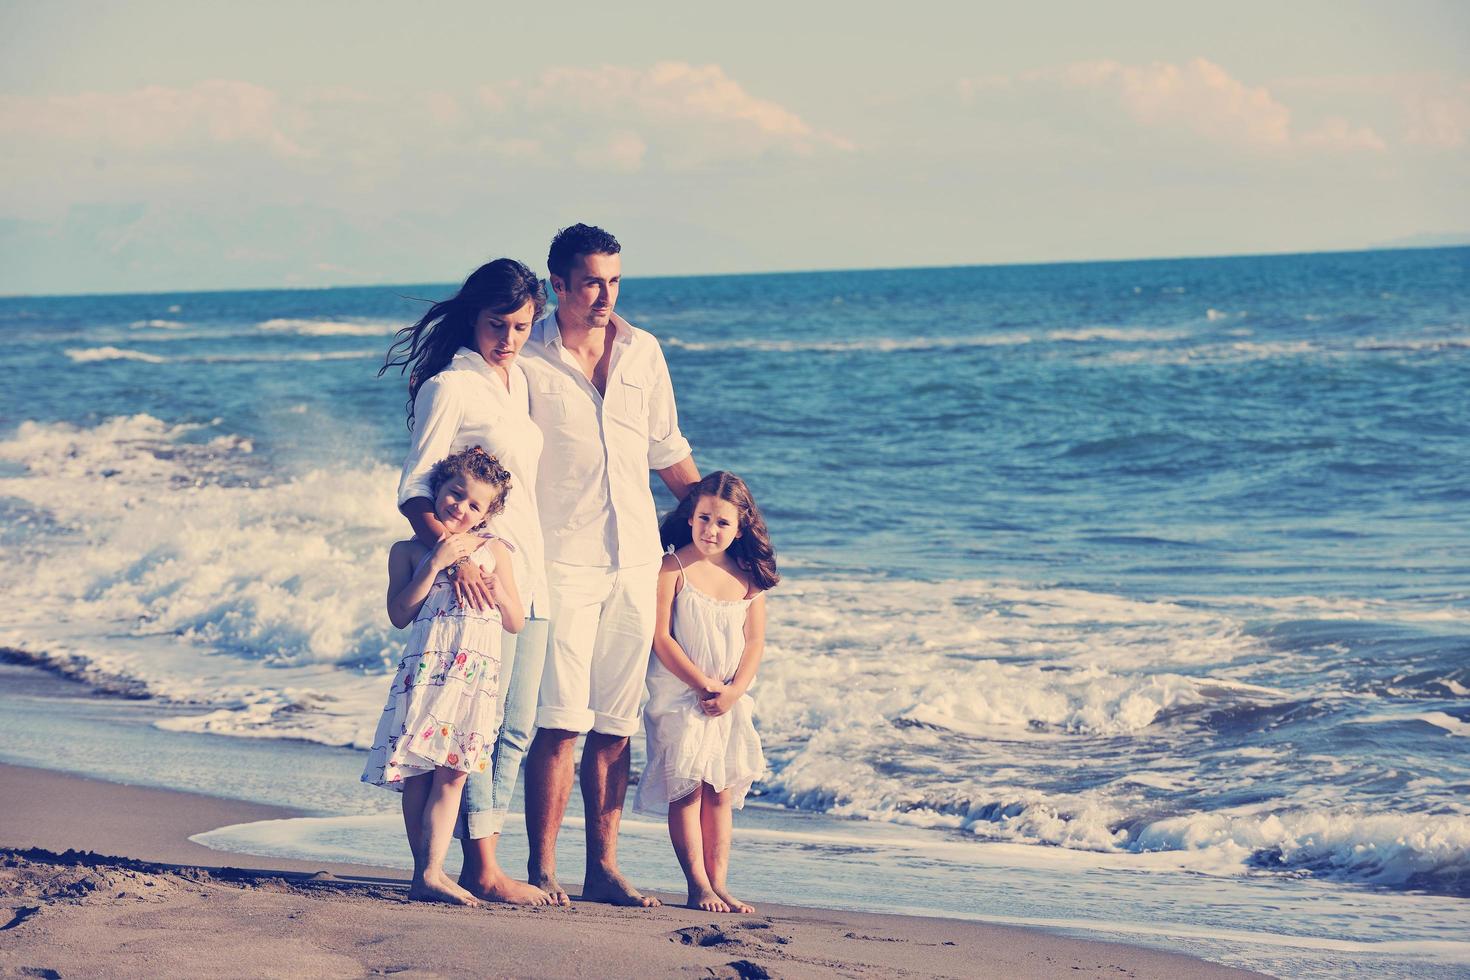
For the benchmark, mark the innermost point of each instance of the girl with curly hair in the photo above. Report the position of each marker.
(442, 715)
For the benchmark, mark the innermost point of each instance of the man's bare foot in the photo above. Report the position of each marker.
(438, 888)
(736, 905)
(546, 883)
(706, 900)
(609, 885)
(502, 887)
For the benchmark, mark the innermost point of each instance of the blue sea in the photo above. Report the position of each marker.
(1130, 598)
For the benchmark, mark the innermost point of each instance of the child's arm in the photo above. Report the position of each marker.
(665, 647)
(503, 591)
(750, 660)
(407, 587)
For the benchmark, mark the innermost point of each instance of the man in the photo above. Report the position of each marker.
(601, 395)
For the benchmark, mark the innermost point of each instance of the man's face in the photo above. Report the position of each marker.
(590, 291)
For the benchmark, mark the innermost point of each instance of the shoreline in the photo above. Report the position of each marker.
(319, 916)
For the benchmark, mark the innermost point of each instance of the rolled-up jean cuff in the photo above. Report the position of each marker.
(485, 823)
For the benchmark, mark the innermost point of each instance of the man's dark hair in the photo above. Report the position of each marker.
(577, 240)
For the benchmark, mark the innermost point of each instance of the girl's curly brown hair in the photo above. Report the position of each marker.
(473, 462)
(752, 550)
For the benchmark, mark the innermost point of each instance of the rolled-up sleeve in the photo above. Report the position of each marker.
(438, 412)
(666, 444)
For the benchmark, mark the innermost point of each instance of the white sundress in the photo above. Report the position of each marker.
(686, 747)
(443, 704)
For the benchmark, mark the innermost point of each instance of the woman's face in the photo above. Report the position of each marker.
(500, 336)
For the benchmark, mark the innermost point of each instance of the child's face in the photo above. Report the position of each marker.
(463, 502)
(715, 524)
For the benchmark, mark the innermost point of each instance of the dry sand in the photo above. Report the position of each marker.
(162, 907)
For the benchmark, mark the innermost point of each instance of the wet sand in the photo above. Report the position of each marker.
(134, 897)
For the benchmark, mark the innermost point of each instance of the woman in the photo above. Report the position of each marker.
(466, 389)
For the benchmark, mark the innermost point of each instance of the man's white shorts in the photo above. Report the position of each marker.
(597, 656)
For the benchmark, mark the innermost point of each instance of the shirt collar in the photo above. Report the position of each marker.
(551, 330)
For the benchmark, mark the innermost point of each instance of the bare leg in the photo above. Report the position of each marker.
(483, 877)
(604, 786)
(714, 819)
(549, 767)
(430, 883)
(685, 833)
(415, 795)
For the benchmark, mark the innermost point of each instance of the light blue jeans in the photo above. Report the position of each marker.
(486, 800)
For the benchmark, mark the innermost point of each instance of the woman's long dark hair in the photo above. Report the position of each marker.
(425, 349)
(752, 551)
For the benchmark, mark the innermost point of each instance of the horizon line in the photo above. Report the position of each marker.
(779, 272)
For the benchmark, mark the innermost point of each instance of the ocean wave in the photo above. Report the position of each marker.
(1399, 850)
(157, 325)
(863, 345)
(1116, 334)
(331, 328)
(94, 354)
(89, 355)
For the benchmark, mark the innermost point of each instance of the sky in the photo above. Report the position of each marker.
(156, 145)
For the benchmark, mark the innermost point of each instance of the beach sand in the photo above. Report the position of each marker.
(100, 879)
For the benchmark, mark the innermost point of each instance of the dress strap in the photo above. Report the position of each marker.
(683, 579)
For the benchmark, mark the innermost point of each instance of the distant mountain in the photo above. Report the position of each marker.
(1427, 239)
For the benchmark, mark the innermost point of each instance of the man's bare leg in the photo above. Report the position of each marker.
(483, 877)
(604, 786)
(549, 767)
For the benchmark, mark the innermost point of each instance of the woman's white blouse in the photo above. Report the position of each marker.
(467, 404)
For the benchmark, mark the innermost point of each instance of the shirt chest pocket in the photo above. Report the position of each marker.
(548, 402)
(634, 405)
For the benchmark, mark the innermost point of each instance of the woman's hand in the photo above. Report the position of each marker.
(451, 549)
(719, 702)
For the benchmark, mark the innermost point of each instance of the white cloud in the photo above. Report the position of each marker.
(673, 114)
(1198, 98)
(338, 144)
(154, 119)
(1337, 133)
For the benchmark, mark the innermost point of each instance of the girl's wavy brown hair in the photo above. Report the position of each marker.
(752, 550)
(473, 462)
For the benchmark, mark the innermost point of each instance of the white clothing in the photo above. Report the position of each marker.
(467, 404)
(601, 629)
(596, 505)
(443, 704)
(687, 747)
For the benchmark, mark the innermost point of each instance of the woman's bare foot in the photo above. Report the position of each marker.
(706, 900)
(438, 888)
(546, 883)
(609, 885)
(736, 905)
(501, 887)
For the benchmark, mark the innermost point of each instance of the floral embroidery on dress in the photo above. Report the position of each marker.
(445, 691)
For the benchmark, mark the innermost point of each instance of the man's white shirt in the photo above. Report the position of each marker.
(593, 482)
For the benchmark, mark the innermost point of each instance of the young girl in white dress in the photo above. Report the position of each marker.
(703, 750)
(441, 718)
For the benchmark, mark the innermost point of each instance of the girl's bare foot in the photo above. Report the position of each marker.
(736, 905)
(706, 900)
(439, 888)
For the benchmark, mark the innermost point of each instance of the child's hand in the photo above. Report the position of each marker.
(717, 704)
(451, 549)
